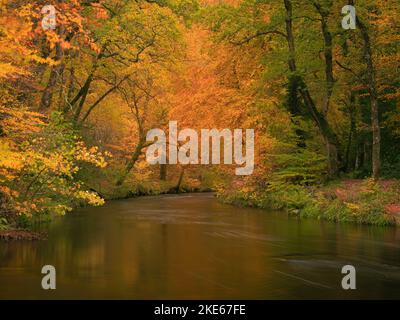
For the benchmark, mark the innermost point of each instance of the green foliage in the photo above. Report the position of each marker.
(23, 221)
(391, 168)
(187, 9)
(3, 223)
(362, 206)
(296, 166)
(42, 177)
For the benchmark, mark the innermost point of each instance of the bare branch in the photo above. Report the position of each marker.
(259, 34)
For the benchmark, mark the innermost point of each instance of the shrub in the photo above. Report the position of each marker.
(39, 174)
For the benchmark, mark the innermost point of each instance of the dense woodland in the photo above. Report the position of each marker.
(77, 100)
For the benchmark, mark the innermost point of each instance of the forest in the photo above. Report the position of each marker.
(82, 82)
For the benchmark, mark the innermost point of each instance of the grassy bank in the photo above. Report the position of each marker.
(355, 201)
(150, 188)
(350, 200)
(137, 184)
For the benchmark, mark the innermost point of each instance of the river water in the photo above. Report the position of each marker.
(193, 247)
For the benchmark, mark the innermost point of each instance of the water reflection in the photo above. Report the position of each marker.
(192, 246)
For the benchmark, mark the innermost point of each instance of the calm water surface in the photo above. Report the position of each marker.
(193, 247)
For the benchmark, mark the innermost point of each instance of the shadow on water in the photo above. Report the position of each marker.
(193, 247)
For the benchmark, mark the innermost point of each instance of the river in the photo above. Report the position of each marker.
(193, 247)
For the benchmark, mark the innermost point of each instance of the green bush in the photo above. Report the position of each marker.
(367, 207)
(3, 223)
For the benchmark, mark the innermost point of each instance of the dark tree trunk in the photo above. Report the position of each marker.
(319, 119)
(82, 94)
(350, 158)
(373, 92)
(100, 99)
(328, 54)
(55, 73)
(163, 172)
(131, 163)
(178, 186)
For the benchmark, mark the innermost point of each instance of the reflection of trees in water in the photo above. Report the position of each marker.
(206, 250)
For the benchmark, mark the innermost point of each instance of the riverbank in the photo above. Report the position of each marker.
(11, 235)
(153, 190)
(345, 201)
(350, 200)
(100, 252)
(15, 226)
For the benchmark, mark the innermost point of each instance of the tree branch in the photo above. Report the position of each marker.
(259, 34)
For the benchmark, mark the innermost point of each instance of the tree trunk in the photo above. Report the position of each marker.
(94, 105)
(357, 161)
(326, 131)
(178, 186)
(70, 91)
(55, 73)
(163, 172)
(328, 54)
(349, 161)
(131, 163)
(83, 94)
(365, 156)
(100, 99)
(373, 92)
